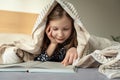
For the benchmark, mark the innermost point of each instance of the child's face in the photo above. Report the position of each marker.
(61, 29)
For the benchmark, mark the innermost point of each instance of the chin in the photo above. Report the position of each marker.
(60, 42)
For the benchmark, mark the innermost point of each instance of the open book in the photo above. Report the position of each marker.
(37, 66)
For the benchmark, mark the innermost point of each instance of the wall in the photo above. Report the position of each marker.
(100, 17)
(16, 22)
(31, 6)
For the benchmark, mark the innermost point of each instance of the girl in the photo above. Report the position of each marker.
(60, 40)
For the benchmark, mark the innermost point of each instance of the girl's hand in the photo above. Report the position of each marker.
(70, 57)
(49, 34)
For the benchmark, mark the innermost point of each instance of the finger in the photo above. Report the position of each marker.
(75, 57)
(71, 59)
(48, 29)
(49, 32)
(66, 59)
(65, 62)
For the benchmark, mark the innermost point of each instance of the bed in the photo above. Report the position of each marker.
(82, 74)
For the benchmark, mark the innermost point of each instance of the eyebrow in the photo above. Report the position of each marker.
(59, 26)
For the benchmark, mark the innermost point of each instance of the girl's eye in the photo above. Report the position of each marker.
(66, 29)
(55, 29)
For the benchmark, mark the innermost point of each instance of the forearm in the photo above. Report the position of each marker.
(51, 49)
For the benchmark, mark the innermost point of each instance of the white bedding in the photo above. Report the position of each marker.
(8, 38)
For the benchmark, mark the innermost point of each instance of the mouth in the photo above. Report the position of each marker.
(60, 40)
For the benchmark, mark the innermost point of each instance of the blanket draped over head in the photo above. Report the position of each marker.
(92, 51)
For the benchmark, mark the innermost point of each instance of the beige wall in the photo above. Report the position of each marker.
(101, 17)
(16, 22)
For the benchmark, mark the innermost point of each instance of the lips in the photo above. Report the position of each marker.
(60, 39)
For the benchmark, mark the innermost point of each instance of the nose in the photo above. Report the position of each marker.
(60, 34)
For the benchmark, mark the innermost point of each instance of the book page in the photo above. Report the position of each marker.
(37, 66)
(51, 65)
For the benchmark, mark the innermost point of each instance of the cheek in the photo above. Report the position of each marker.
(68, 33)
(53, 33)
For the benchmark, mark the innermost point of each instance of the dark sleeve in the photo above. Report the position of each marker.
(42, 57)
(59, 55)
